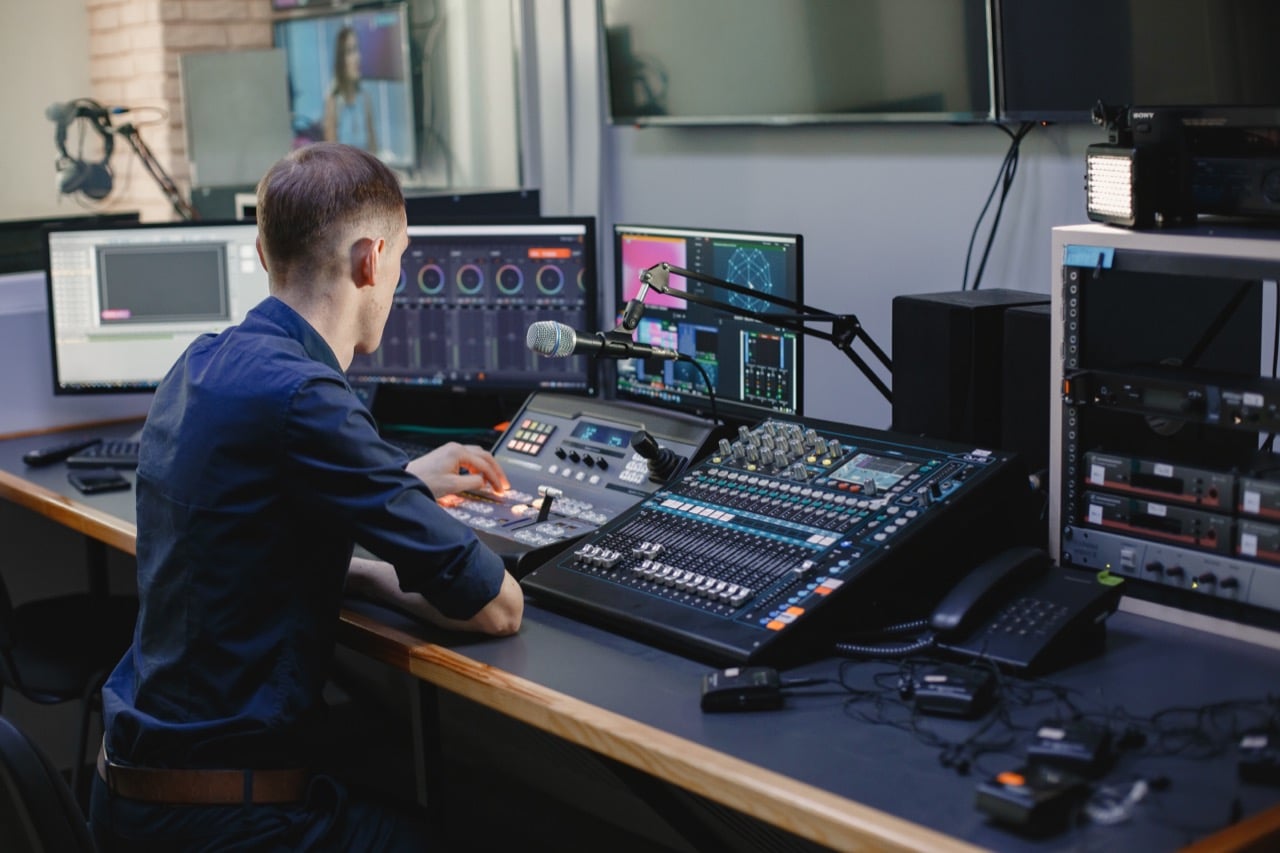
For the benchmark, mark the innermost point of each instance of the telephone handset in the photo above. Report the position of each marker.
(1021, 612)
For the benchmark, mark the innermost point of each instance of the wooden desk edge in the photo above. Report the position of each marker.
(794, 806)
(72, 427)
(70, 513)
(1256, 833)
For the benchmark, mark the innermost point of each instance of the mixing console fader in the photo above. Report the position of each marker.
(792, 534)
(572, 468)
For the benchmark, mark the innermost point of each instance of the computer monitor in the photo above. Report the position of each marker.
(469, 292)
(754, 367)
(22, 240)
(125, 301)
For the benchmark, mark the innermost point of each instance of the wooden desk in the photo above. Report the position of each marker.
(809, 768)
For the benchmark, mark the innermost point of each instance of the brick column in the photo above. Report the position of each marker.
(134, 50)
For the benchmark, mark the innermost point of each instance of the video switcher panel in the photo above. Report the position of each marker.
(572, 468)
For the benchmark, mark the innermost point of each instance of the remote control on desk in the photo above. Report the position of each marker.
(56, 452)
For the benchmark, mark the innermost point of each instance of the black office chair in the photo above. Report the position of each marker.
(38, 812)
(62, 648)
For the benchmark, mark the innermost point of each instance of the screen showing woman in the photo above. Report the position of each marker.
(349, 81)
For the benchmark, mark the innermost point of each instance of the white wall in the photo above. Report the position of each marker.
(884, 209)
(44, 57)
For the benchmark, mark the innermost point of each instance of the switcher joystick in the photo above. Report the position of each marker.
(663, 462)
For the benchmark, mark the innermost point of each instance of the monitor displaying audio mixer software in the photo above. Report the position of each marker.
(754, 367)
(469, 292)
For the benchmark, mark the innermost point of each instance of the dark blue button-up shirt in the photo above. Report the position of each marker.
(259, 470)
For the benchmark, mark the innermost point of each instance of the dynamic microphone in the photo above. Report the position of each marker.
(556, 340)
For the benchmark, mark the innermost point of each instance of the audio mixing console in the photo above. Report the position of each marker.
(795, 531)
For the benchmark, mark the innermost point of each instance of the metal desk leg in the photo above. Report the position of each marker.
(96, 563)
(428, 752)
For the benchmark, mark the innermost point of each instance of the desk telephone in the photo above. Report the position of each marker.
(1024, 614)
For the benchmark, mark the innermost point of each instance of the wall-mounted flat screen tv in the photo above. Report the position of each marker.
(797, 61)
(350, 80)
(1057, 58)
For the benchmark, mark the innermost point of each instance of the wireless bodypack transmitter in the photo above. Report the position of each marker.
(950, 690)
(1037, 799)
(1260, 758)
(1076, 745)
(742, 688)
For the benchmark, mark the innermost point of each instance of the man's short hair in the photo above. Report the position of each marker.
(308, 198)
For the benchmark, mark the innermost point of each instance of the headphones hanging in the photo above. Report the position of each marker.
(74, 174)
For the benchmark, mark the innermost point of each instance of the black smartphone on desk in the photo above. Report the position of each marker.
(92, 482)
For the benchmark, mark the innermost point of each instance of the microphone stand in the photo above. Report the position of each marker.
(845, 328)
(156, 171)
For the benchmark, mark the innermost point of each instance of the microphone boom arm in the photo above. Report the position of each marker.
(845, 328)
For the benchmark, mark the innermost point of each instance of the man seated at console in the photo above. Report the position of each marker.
(259, 470)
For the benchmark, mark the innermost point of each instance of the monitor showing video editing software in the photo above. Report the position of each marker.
(124, 302)
(469, 292)
(754, 367)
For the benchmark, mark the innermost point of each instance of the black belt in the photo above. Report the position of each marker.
(202, 787)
